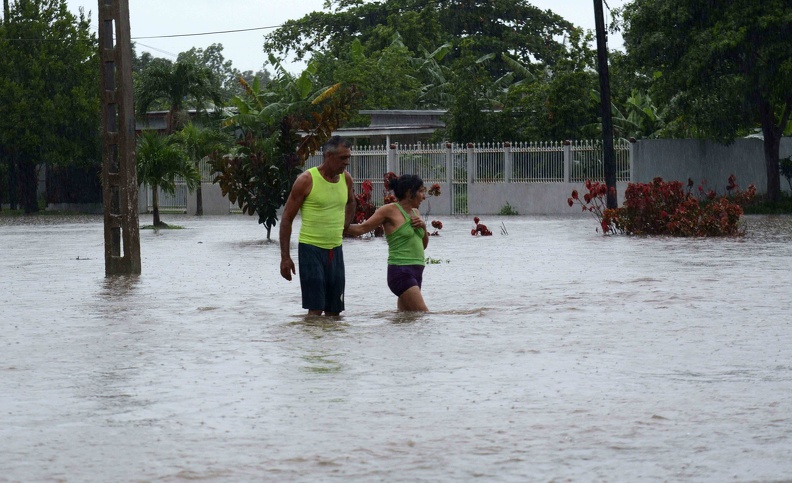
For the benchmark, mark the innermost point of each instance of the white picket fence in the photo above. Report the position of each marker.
(459, 165)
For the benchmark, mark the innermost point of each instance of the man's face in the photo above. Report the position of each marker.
(338, 161)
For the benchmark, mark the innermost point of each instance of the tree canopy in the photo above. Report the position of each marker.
(183, 83)
(478, 26)
(49, 95)
(723, 68)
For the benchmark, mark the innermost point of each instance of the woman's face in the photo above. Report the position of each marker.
(419, 196)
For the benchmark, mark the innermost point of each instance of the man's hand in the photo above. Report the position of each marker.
(287, 268)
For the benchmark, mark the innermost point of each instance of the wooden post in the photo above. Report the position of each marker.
(119, 179)
(608, 156)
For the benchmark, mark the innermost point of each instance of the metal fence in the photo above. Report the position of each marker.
(458, 165)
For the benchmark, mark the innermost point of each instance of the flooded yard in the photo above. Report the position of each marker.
(550, 353)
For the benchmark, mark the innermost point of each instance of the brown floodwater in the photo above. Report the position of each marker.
(551, 354)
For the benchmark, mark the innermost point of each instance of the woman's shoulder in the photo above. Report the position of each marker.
(390, 210)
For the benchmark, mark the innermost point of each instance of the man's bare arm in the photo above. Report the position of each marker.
(351, 205)
(300, 190)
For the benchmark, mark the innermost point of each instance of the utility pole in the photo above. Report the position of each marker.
(608, 157)
(119, 178)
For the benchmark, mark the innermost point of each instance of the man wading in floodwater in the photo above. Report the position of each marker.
(325, 198)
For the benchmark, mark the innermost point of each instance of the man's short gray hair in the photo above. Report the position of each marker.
(332, 145)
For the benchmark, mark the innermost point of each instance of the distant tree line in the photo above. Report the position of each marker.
(504, 71)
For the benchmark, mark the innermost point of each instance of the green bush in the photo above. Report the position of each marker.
(507, 210)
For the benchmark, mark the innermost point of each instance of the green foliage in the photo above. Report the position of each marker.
(200, 142)
(722, 71)
(513, 26)
(666, 208)
(269, 154)
(159, 161)
(49, 95)
(386, 79)
(185, 83)
(224, 75)
(404, 54)
(554, 104)
(507, 210)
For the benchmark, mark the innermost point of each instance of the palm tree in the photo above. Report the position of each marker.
(198, 143)
(177, 85)
(159, 161)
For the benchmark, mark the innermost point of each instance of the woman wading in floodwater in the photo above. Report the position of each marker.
(407, 238)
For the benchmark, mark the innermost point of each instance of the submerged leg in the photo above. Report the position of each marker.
(412, 300)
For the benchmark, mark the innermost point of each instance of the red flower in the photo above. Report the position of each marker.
(570, 202)
(574, 195)
(473, 232)
(476, 219)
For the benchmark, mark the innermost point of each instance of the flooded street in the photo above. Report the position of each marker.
(551, 354)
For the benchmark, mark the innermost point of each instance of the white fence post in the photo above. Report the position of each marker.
(567, 160)
(393, 160)
(507, 162)
(449, 162)
(471, 163)
(632, 160)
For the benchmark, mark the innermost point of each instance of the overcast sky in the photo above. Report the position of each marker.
(150, 18)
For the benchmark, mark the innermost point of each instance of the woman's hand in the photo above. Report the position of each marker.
(417, 221)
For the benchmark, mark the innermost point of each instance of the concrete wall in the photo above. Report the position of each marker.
(212, 199)
(527, 198)
(680, 159)
(670, 159)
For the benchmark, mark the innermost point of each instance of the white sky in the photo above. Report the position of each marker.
(244, 49)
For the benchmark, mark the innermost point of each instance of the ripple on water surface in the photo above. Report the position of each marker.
(551, 353)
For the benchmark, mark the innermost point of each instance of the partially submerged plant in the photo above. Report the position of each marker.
(480, 228)
(666, 208)
(437, 225)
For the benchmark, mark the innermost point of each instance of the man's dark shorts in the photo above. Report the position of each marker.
(321, 278)
(402, 277)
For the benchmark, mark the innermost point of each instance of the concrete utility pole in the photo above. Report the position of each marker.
(608, 157)
(119, 179)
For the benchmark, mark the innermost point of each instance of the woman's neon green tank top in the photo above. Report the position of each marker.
(322, 212)
(405, 244)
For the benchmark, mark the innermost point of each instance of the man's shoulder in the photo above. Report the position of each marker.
(304, 180)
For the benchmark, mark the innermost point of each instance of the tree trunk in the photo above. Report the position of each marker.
(199, 193)
(155, 205)
(13, 186)
(28, 186)
(772, 142)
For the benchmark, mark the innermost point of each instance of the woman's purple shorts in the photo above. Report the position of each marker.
(402, 277)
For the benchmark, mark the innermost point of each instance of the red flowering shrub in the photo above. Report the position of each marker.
(480, 228)
(437, 225)
(365, 208)
(667, 208)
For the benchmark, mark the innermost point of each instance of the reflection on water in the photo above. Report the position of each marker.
(552, 353)
(119, 286)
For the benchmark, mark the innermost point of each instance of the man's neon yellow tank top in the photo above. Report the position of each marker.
(323, 213)
(405, 244)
